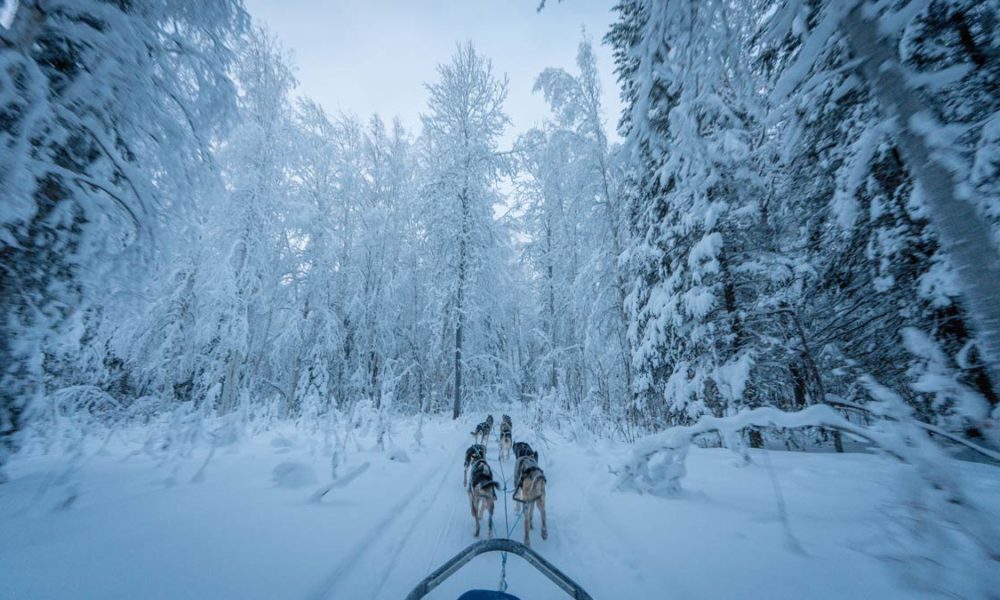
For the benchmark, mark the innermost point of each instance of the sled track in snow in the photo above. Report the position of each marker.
(433, 556)
(420, 492)
(614, 530)
(414, 523)
(410, 513)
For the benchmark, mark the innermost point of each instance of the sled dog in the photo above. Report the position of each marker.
(482, 494)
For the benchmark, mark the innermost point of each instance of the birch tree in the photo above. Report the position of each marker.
(462, 126)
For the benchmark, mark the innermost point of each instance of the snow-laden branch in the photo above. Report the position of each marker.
(933, 429)
(933, 503)
(964, 235)
(657, 461)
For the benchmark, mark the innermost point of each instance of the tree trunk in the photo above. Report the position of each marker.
(550, 275)
(621, 283)
(460, 304)
(293, 387)
(807, 354)
(227, 402)
(456, 410)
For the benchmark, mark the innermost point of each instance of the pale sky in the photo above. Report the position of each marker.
(367, 56)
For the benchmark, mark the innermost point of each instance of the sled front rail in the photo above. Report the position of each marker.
(498, 545)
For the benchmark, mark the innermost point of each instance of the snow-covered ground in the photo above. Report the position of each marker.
(250, 527)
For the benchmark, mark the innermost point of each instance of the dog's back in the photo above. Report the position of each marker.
(482, 476)
(525, 463)
(529, 465)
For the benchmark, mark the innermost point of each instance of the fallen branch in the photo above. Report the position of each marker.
(339, 482)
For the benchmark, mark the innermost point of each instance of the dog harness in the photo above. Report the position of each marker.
(524, 475)
(482, 477)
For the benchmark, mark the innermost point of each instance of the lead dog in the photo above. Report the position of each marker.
(482, 494)
(482, 432)
(506, 437)
(473, 453)
(530, 491)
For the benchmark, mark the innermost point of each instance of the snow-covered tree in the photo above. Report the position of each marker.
(695, 195)
(110, 110)
(574, 219)
(462, 127)
(878, 261)
(779, 229)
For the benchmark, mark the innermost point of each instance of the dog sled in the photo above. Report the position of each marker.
(498, 545)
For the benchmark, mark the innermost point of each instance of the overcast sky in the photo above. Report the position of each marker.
(366, 56)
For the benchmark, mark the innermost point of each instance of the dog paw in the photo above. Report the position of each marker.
(545, 534)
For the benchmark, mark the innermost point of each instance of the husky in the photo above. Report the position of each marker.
(529, 490)
(525, 457)
(473, 453)
(506, 437)
(482, 494)
(482, 432)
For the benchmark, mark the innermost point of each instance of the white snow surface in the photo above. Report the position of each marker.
(250, 527)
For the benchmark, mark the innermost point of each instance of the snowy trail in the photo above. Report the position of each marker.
(381, 530)
(424, 530)
(377, 557)
(239, 534)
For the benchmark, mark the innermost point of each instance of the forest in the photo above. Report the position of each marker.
(787, 246)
